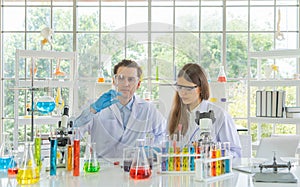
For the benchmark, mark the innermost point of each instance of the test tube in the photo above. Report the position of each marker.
(219, 162)
(171, 158)
(214, 163)
(53, 153)
(164, 150)
(69, 166)
(192, 158)
(37, 148)
(185, 159)
(76, 158)
(226, 146)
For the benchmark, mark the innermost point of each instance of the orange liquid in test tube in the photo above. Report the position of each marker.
(76, 168)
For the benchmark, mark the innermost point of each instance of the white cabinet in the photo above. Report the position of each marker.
(47, 81)
(261, 83)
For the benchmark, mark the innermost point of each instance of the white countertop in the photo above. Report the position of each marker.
(114, 176)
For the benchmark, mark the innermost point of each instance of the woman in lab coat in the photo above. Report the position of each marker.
(192, 94)
(117, 119)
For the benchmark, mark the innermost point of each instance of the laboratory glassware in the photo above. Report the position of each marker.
(69, 164)
(28, 172)
(58, 72)
(14, 164)
(140, 168)
(5, 155)
(222, 75)
(37, 148)
(59, 102)
(91, 164)
(128, 155)
(76, 153)
(53, 154)
(45, 104)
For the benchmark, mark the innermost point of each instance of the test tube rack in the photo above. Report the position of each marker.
(204, 167)
(176, 163)
(195, 164)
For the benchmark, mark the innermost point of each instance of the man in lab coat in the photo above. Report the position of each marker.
(120, 117)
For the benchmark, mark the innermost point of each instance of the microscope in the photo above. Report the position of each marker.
(205, 121)
(63, 134)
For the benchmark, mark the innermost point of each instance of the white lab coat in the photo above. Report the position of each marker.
(223, 130)
(107, 130)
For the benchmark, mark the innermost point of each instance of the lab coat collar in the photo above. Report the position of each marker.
(202, 107)
(134, 111)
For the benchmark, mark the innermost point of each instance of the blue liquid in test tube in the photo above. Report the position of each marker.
(192, 160)
(53, 152)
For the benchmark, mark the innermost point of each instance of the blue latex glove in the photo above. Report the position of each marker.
(106, 100)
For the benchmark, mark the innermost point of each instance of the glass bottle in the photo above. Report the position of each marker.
(91, 164)
(222, 75)
(28, 172)
(5, 155)
(140, 168)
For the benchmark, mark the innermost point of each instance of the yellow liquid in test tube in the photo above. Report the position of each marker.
(28, 176)
(185, 159)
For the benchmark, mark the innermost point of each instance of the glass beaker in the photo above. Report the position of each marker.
(91, 164)
(28, 172)
(128, 155)
(5, 155)
(140, 168)
(45, 104)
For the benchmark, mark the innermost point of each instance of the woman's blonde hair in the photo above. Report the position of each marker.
(179, 112)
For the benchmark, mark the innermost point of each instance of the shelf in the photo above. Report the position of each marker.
(274, 82)
(274, 120)
(275, 54)
(46, 54)
(46, 83)
(23, 120)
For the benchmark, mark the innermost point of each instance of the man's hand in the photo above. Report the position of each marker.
(105, 100)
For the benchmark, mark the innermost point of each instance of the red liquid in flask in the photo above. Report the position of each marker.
(140, 173)
(221, 79)
(12, 171)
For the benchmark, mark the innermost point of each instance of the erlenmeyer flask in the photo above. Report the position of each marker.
(222, 75)
(28, 172)
(91, 164)
(5, 155)
(14, 165)
(140, 168)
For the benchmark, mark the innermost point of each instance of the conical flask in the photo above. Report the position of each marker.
(14, 165)
(5, 155)
(222, 75)
(91, 164)
(140, 168)
(28, 172)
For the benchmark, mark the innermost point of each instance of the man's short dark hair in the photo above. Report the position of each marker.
(130, 64)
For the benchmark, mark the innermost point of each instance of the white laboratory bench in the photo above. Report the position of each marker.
(113, 176)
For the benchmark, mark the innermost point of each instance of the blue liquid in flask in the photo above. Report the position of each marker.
(45, 104)
(5, 162)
